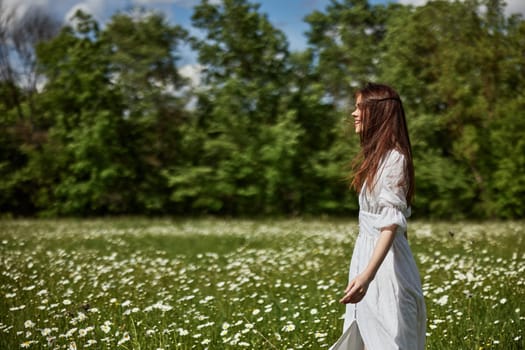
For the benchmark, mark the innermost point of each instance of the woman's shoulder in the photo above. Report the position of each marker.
(393, 157)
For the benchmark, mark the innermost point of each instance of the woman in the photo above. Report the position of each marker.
(385, 308)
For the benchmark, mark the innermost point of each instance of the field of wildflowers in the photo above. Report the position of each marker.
(132, 283)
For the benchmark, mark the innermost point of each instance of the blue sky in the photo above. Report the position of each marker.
(286, 15)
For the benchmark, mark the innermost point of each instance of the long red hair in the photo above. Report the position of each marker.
(384, 129)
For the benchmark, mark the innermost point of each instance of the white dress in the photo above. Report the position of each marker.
(392, 315)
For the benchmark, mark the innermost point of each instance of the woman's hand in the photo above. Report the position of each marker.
(356, 290)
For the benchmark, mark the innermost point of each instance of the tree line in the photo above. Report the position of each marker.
(98, 120)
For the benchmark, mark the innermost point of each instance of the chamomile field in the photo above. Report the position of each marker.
(132, 283)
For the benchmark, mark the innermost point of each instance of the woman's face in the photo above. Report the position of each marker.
(358, 114)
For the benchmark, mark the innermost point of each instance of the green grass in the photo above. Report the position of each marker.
(134, 283)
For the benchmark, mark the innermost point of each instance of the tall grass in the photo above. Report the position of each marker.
(231, 284)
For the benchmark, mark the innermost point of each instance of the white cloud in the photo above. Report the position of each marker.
(99, 9)
(513, 6)
(102, 10)
(182, 3)
(68, 17)
(24, 3)
(192, 72)
(20, 7)
(413, 2)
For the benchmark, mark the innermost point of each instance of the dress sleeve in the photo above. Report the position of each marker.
(392, 189)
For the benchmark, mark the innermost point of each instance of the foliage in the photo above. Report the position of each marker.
(452, 63)
(116, 129)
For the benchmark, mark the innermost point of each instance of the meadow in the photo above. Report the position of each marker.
(135, 283)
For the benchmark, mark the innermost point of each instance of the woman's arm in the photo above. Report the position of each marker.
(356, 289)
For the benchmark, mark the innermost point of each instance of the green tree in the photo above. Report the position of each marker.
(142, 49)
(441, 57)
(109, 96)
(506, 129)
(22, 127)
(266, 132)
(345, 41)
(248, 135)
(86, 137)
(327, 144)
